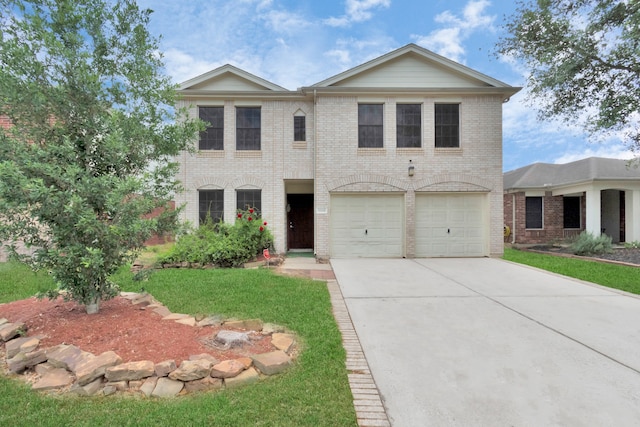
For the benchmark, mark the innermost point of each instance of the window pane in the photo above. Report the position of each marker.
(247, 128)
(533, 212)
(246, 199)
(212, 137)
(571, 212)
(408, 125)
(447, 125)
(299, 128)
(211, 205)
(370, 131)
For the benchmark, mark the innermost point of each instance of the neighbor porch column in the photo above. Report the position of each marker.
(593, 224)
(632, 216)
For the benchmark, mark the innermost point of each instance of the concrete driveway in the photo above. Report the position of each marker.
(489, 343)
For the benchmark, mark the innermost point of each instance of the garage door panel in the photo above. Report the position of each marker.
(451, 224)
(370, 225)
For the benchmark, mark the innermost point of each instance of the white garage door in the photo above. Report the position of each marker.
(452, 225)
(367, 225)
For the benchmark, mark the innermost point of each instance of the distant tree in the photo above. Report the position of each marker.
(93, 134)
(583, 58)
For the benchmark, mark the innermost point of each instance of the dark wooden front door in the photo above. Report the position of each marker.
(300, 221)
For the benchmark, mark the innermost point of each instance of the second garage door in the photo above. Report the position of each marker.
(453, 225)
(369, 225)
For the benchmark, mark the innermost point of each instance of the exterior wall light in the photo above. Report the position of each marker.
(412, 168)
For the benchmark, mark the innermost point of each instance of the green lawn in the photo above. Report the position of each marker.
(613, 276)
(315, 392)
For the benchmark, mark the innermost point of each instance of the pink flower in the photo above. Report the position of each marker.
(250, 210)
(239, 215)
(249, 219)
(261, 228)
(264, 223)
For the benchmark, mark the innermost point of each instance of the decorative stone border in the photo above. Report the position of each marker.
(67, 368)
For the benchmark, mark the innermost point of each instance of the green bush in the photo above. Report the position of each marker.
(632, 245)
(588, 244)
(222, 244)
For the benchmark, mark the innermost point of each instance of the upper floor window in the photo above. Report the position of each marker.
(212, 138)
(408, 125)
(249, 199)
(247, 128)
(299, 128)
(211, 205)
(447, 123)
(533, 212)
(370, 133)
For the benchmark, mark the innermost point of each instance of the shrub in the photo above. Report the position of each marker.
(588, 244)
(222, 244)
(632, 245)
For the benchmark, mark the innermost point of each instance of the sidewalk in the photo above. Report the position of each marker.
(370, 411)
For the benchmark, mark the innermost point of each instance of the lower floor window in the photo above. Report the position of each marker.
(571, 215)
(533, 212)
(211, 205)
(249, 199)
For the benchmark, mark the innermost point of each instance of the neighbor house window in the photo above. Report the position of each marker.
(571, 215)
(212, 137)
(249, 199)
(211, 205)
(447, 123)
(299, 128)
(370, 125)
(247, 128)
(533, 212)
(408, 125)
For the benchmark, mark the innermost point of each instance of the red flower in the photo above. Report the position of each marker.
(250, 210)
(261, 228)
(239, 215)
(249, 219)
(264, 223)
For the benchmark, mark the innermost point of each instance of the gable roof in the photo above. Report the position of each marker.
(416, 68)
(545, 175)
(229, 77)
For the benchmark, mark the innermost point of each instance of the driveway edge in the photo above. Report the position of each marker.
(367, 402)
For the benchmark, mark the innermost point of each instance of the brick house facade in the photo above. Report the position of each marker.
(398, 157)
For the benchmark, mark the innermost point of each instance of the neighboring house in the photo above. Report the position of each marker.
(550, 202)
(398, 157)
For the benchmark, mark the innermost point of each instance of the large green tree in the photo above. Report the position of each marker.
(583, 60)
(93, 132)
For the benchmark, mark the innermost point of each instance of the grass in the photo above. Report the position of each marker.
(315, 392)
(614, 276)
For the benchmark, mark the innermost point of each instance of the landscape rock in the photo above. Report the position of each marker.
(211, 321)
(67, 356)
(22, 361)
(162, 311)
(175, 316)
(108, 390)
(246, 361)
(247, 325)
(205, 356)
(9, 331)
(204, 384)
(130, 371)
(96, 367)
(190, 370)
(55, 379)
(90, 389)
(118, 385)
(136, 384)
(21, 345)
(249, 376)
(149, 385)
(3, 320)
(270, 328)
(189, 321)
(166, 387)
(227, 369)
(43, 368)
(232, 338)
(164, 368)
(282, 342)
(272, 363)
(143, 300)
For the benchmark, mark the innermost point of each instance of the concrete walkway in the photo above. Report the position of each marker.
(489, 343)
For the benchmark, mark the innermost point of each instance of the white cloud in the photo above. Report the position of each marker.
(357, 11)
(448, 41)
(285, 22)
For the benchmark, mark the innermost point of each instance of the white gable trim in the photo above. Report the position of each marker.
(231, 70)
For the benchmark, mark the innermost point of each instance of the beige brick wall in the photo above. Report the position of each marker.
(341, 167)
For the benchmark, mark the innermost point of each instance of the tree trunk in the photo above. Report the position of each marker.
(94, 306)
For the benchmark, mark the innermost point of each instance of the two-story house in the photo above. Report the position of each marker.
(398, 157)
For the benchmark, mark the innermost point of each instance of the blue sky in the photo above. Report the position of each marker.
(299, 43)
